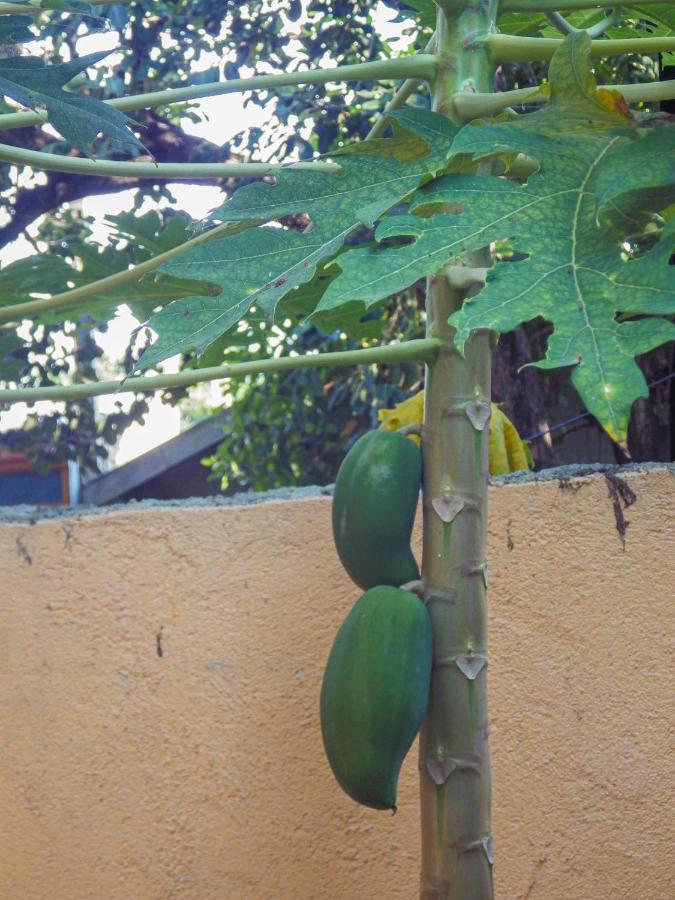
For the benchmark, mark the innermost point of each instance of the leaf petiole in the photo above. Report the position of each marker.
(421, 350)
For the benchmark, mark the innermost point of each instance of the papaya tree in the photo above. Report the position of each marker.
(580, 184)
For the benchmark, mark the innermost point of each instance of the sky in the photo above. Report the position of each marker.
(221, 119)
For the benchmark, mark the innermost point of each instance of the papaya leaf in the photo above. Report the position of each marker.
(15, 29)
(242, 265)
(151, 234)
(526, 24)
(142, 297)
(421, 139)
(434, 129)
(637, 178)
(78, 118)
(662, 14)
(403, 145)
(371, 274)
(351, 319)
(653, 21)
(31, 275)
(426, 11)
(35, 276)
(10, 365)
(650, 280)
(575, 274)
(80, 9)
(660, 19)
(260, 266)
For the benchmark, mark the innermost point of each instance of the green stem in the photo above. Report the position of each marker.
(31, 308)
(51, 162)
(611, 19)
(473, 106)
(454, 747)
(421, 66)
(35, 7)
(406, 90)
(513, 48)
(597, 30)
(593, 31)
(560, 22)
(532, 6)
(423, 350)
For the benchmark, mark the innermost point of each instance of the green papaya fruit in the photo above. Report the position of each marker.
(374, 505)
(375, 692)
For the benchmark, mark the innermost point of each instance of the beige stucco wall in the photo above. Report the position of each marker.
(200, 774)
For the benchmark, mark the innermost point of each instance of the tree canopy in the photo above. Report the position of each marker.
(167, 45)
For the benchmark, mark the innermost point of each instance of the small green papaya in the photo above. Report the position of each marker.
(375, 692)
(374, 506)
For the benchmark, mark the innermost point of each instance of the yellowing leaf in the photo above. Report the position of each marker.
(408, 412)
(518, 452)
(613, 101)
(499, 457)
(508, 453)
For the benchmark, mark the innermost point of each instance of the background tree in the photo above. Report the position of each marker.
(163, 41)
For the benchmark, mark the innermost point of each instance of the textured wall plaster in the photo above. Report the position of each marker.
(160, 669)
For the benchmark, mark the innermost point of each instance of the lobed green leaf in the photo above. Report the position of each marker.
(79, 118)
(260, 266)
(576, 273)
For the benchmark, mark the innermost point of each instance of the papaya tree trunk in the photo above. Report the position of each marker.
(454, 748)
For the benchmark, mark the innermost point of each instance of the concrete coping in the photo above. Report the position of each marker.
(33, 514)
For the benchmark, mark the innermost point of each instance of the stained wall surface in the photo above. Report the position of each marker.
(159, 681)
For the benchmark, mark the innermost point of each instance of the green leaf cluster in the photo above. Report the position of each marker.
(78, 117)
(592, 228)
(262, 268)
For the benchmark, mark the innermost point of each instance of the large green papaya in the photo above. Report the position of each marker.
(375, 692)
(374, 505)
